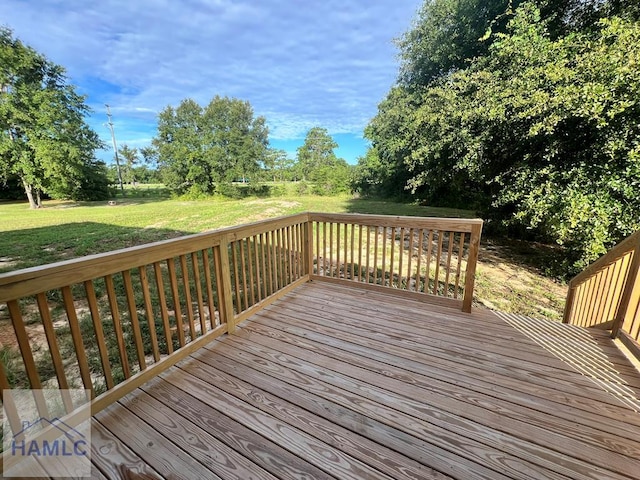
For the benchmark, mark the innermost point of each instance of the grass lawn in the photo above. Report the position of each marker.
(63, 230)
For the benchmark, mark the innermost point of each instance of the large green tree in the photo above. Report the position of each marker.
(44, 140)
(541, 133)
(199, 147)
(318, 163)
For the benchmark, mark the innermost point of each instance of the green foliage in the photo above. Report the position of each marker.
(318, 164)
(541, 134)
(207, 145)
(44, 140)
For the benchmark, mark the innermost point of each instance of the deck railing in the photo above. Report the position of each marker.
(434, 256)
(110, 322)
(607, 293)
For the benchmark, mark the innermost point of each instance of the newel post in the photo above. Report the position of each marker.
(470, 272)
(223, 275)
(568, 304)
(630, 293)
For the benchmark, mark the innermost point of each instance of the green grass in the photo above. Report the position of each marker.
(509, 278)
(63, 230)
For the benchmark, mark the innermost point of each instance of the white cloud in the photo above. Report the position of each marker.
(300, 64)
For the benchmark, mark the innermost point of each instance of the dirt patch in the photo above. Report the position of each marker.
(273, 208)
(509, 279)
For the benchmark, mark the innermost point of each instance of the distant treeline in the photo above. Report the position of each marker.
(528, 112)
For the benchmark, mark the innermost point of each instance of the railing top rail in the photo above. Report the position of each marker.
(33, 280)
(440, 223)
(622, 248)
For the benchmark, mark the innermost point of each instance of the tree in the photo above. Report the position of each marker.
(131, 156)
(277, 163)
(198, 147)
(44, 140)
(540, 134)
(316, 152)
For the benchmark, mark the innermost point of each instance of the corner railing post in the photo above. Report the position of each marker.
(568, 304)
(470, 272)
(223, 275)
(630, 293)
(308, 244)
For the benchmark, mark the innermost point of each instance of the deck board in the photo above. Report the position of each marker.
(338, 382)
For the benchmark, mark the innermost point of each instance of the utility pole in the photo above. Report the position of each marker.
(115, 148)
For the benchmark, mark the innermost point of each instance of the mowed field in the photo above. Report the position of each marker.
(63, 230)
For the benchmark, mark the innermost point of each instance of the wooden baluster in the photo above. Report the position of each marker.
(206, 266)
(256, 262)
(419, 261)
(263, 256)
(346, 249)
(368, 255)
(27, 356)
(337, 250)
(317, 226)
(324, 248)
(286, 231)
(436, 283)
(157, 270)
(151, 321)
(459, 266)
(359, 253)
(187, 296)
(427, 277)
(401, 257)
(236, 276)
(269, 263)
(78, 344)
(351, 273)
(281, 258)
(274, 247)
(252, 292)
(308, 248)
(331, 249)
(392, 257)
(133, 318)
(243, 269)
(450, 242)
(9, 404)
(217, 268)
(117, 325)
(97, 328)
(299, 250)
(195, 265)
(173, 280)
(384, 255)
(54, 350)
(409, 261)
(375, 257)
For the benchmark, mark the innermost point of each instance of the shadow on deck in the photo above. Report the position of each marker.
(338, 382)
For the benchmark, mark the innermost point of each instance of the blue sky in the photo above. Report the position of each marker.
(299, 63)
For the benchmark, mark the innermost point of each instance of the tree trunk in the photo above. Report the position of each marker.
(29, 191)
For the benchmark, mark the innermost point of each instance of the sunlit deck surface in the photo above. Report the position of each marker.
(338, 382)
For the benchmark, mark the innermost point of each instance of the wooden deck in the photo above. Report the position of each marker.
(338, 382)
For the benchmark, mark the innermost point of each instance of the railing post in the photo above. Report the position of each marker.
(470, 272)
(568, 304)
(630, 293)
(223, 275)
(308, 243)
